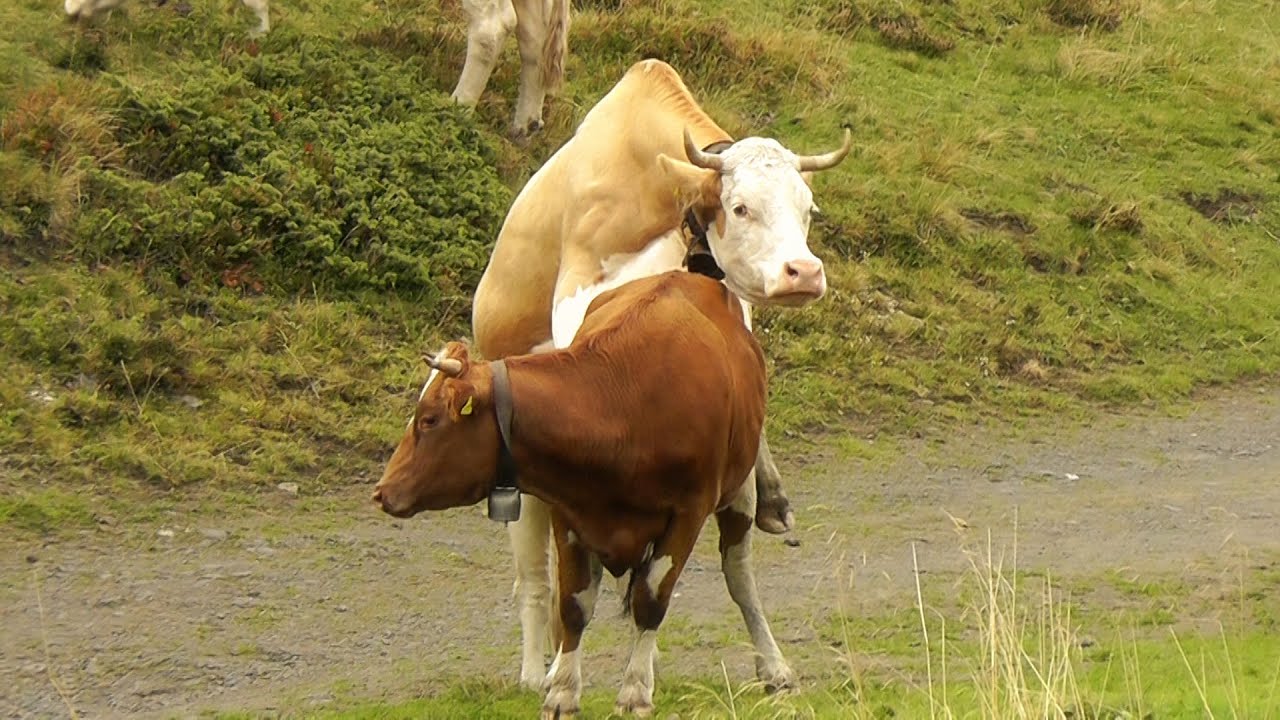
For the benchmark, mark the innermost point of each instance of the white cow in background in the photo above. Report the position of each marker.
(542, 30)
(86, 9)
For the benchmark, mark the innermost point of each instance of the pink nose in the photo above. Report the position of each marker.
(802, 277)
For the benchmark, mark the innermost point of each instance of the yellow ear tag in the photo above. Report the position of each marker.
(466, 409)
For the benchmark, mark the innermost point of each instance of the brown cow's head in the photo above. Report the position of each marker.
(448, 455)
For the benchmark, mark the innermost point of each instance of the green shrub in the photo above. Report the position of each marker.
(308, 170)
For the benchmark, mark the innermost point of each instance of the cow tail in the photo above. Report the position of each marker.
(556, 49)
(554, 635)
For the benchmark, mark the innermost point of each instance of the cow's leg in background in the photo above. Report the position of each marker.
(530, 536)
(773, 509)
(488, 23)
(578, 580)
(651, 587)
(541, 29)
(259, 8)
(735, 560)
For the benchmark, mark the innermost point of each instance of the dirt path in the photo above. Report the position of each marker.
(300, 602)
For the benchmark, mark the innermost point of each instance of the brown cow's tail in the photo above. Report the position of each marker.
(556, 49)
(554, 635)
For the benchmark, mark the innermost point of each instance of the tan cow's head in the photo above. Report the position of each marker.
(448, 455)
(763, 206)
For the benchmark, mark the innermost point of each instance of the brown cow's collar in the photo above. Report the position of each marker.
(699, 259)
(504, 498)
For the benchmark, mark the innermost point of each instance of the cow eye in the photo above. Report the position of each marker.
(428, 421)
(740, 210)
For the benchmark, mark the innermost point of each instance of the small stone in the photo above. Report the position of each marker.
(791, 541)
(343, 608)
(32, 559)
(214, 534)
(165, 533)
(191, 401)
(288, 487)
(1072, 477)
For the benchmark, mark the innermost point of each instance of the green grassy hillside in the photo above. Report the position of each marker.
(222, 257)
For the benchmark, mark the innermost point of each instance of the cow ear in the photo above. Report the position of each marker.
(462, 400)
(694, 186)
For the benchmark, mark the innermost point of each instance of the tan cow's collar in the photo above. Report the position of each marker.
(504, 498)
(699, 259)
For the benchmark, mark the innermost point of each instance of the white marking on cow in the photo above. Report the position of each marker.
(637, 679)
(571, 537)
(564, 682)
(658, 570)
(663, 253)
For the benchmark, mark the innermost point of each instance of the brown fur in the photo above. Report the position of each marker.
(635, 434)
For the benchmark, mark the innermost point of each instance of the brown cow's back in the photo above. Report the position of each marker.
(664, 384)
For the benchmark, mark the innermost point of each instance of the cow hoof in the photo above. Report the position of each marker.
(521, 134)
(636, 700)
(774, 516)
(776, 678)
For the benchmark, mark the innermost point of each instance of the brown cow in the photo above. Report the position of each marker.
(647, 424)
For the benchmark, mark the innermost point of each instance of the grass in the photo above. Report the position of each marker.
(1049, 208)
(991, 642)
(1052, 207)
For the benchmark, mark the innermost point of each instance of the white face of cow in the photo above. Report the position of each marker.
(767, 208)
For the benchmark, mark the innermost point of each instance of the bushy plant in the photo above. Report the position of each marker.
(293, 171)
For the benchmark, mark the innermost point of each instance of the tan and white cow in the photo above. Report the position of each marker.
(542, 31)
(606, 209)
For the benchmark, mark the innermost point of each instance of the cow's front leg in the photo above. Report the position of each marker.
(488, 24)
(530, 537)
(651, 586)
(578, 580)
(735, 560)
(773, 509)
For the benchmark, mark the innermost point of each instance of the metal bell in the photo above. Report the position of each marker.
(504, 504)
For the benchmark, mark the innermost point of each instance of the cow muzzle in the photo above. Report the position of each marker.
(384, 500)
(800, 281)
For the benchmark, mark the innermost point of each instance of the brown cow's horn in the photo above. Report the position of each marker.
(702, 159)
(813, 163)
(447, 365)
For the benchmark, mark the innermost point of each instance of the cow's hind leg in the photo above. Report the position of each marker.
(578, 583)
(529, 544)
(651, 586)
(773, 509)
(735, 559)
(488, 24)
(541, 26)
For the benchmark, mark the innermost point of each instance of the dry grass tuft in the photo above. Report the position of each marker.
(1098, 14)
(1102, 215)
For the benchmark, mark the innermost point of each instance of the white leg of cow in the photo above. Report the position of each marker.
(735, 560)
(564, 686)
(530, 541)
(259, 8)
(488, 23)
(532, 17)
(636, 695)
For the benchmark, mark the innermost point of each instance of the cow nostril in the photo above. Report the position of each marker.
(792, 272)
(377, 495)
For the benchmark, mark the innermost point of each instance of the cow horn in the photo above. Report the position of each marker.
(447, 365)
(700, 158)
(813, 163)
